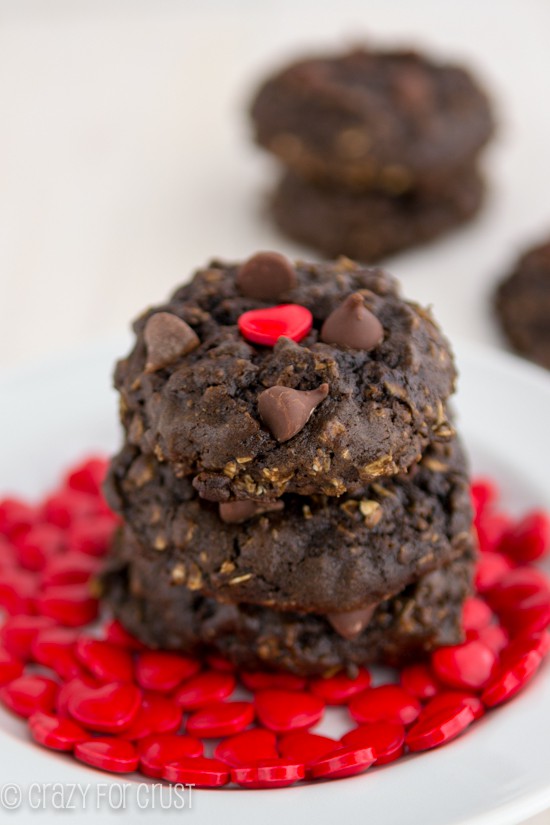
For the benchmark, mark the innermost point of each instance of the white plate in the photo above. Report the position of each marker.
(497, 773)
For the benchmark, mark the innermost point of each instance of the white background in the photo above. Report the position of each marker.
(126, 160)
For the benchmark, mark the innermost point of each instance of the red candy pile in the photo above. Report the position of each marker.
(120, 707)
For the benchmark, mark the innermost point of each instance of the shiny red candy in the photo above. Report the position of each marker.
(419, 681)
(220, 719)
(55, 733)
(386, 739)
(484, 493)
(476, 614)
(219, 663)
(157, 670)
(71, 605)
(121, 707)
(39, 544)
(490, 530)
(529, 615)
(28, 694)
(494, 636)
(385, 703)
(88, 477)
(10, 667)
(490, 569)
(305, 747)
(92, 535)
(266, 326)
(452, 699)
(114, 755)
(118, 635)
(247, 747)
(469, 665)
(16, 517)
(18, 591)
(105, 661)
(515, 586)
(106, 709)
(346, 761)
(438, 728)
(73, 687)
(517, 668)
(156, 714)
(204, 689)
(19, 632)
(69, 568)
(67, 506)
(54, 648)
(339, 689)
(528, 539)
(268, 773)
(155, 752)
(285, 710)
(261, 681)
(199, 771)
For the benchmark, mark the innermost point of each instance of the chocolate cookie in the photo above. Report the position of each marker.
(390, 120)
(312, 554)
(358, 393)
(424, 616)
(522, 304)
(371, 225)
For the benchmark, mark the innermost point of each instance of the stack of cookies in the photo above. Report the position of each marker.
(292, 493)
(381, 149)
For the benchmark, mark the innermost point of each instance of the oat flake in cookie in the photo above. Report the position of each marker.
(381, 406)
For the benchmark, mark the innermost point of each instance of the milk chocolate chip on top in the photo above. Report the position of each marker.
(167, 338)
(286, 411)
(352, 325)
(266, 276)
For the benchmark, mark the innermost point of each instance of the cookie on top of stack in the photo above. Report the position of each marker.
(293, 494)
(381, 149)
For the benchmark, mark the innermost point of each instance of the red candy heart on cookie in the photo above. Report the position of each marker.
(266, 326)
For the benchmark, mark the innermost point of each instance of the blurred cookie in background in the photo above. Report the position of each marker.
(522, 304)
(381, 149)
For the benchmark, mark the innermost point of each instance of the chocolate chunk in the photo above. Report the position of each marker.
(167, 338)
(286, 411)
(212, 488)
(266, 276)
(352, 325)
(236, 512)
(351, 624)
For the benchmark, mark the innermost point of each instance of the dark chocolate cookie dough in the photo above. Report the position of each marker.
(370, 225)
(424, 616)
(365, 388)
(522, 303)
(313, 554)
(387, 120)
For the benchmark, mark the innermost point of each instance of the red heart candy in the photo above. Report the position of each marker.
(107, 709)
(285, 710)
(265, 326)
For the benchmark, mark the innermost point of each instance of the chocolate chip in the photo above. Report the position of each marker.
(286, 411)
(351, 624)
(167, 338)
(235, 512)
(352, 325)
(266, 276)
